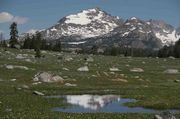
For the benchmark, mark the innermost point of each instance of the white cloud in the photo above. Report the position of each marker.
(7, 17)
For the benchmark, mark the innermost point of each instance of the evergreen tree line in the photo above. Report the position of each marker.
(166, 51)
(123, 51)
(3, 43)
(173, 50)
(31, 43)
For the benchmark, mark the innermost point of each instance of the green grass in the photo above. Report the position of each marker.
(156, 90)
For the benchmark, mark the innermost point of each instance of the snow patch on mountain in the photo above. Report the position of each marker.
(169, 38)
(133, 18)
(76, 43)
(32, 31)
(80, 18)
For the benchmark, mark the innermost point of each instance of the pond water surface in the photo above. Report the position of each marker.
(103, 103)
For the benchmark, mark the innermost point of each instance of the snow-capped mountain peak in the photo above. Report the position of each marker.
(96, 24)
(85, 24)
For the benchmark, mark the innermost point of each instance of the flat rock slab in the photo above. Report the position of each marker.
(70, 85)
(38, 93)
(138, 70)
(114, 69)
(85, 69)
(171, 71)
(11, 67)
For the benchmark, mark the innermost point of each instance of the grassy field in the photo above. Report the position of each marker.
(153, 88)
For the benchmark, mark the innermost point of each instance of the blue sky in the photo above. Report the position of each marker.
(40, 14)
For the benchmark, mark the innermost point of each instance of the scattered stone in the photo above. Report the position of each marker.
(16, 67)
(25, 86)
(127, 65)
(47, 77)
(90, 59)
(38, 93)
(140, 79)
(138, 70)
(143, 62)
(106, 73)
(122, 80)
(9, 67)
(13, 80)
(98, 74)
(171, 71)
(85, 69)
(177, 81)
(122, 75)
(57, 79)
(68, 58)
(112, 73)
(66, 69)
(44, 52)
(71, 85)
(171, 57)
(157, 117)
(66, 77)
(20, 56)
(8, 110)
(165, 115)
(114, 69)
(94, 76)
(36, 83)
(28, 60)
(136, 77)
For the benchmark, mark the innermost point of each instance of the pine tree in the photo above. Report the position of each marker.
(38, 45)
(32, 42)
(4, 44)
(57, 46)
(43, 44)
(27, 43)
(177, 49)
(13, 35)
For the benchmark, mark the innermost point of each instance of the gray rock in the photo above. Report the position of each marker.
(25, 86)
(9, 67)
(85, 69)
(90, 59)
(171, 71)
(28, 60)
(137, 70)
(168, 115)
(165, 115)
(47, 77)
(20, 56)
(16, 67)
(157, 117)
(66, 69)
(57, 79)
(177, 81)
(114, 69)
(13, 80)
(38, 93)
(71, 85)
(171, 57)
(68, 58)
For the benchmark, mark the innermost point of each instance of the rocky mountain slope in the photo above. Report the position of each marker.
(96, 27)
